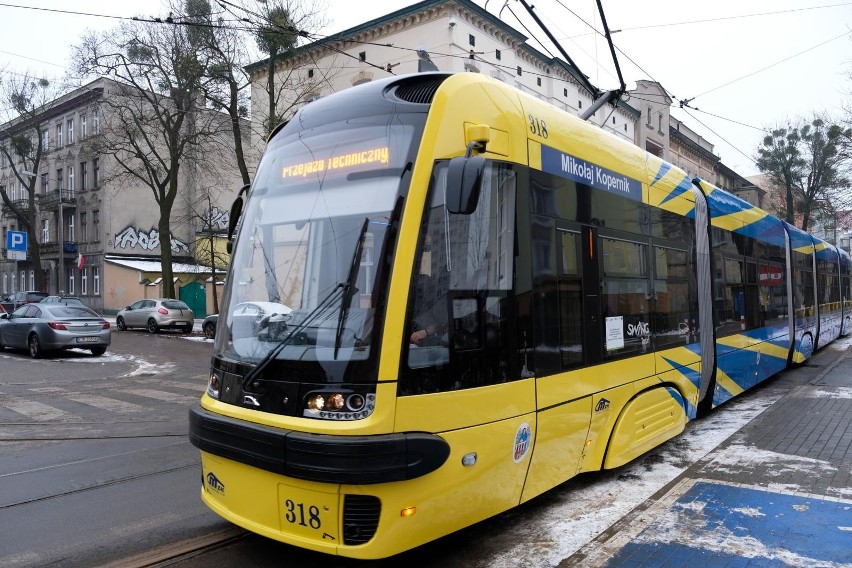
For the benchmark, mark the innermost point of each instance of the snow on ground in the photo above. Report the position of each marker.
(583, 510)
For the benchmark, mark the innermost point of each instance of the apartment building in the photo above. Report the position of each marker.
(97, 232)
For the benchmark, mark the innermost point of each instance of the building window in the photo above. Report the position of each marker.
(83, 236)
(471, 40)
(59, 179)
(96, 121)
(59, 135)
(96, 280)
(70, 274)
(32, 280)
(95, 221)
(660, 122)
(84, 170)
(69, 234)
(45, 141)
(71, 180)
(613, 120)
(579, 104)
(96, 172)
(564, 92)
(519, 70)
(45, 230)
(497, 54)
(538, 81)
(362, 56)
(23, 280)
(84, 281)
(649, 116)
(44, 184)
(69, 127)
(625, 127)
(310, 73)
(83, 126)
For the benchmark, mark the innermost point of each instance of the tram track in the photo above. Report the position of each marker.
(173, 553)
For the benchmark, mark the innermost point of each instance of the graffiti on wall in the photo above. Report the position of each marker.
(215, 218)
(132, 237)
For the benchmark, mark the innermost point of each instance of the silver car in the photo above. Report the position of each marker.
(49, 327)
(155, 314)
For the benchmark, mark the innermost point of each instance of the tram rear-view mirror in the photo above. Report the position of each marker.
(464, 177)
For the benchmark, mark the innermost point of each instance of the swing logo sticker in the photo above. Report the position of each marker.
(523, 438)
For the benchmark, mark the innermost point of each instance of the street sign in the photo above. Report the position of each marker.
(16, 245)
(16, 240)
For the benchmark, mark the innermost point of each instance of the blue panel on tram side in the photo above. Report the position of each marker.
(767, 229)
(683, 187)
(798, 238)
(713, 524)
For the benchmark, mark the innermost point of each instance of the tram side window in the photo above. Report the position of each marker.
(570, 302)
(803, 293)
(730, 308)
(675, 316)
(624, 298)
(828, 282)
(460, 327)
(773, 291)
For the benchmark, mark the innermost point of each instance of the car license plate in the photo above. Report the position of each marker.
(308, 514)
(87, 340)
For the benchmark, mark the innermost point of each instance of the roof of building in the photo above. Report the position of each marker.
(427, 4)
(154, 265)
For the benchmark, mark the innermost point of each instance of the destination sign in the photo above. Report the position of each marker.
(379, 155)
(576, 169)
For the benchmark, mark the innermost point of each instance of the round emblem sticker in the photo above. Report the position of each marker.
(523, 438)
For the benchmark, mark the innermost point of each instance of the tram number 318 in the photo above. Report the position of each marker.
(296, 514)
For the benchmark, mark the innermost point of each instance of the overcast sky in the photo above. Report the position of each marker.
(743, 65)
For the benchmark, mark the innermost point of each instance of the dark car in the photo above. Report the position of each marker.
(208, 326)
(63, 300)
(11, 302)
(155, 314)
(49, 327)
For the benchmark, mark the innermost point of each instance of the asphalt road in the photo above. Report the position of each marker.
(95, 464)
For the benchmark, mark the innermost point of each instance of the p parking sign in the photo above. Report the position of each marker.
(16, 245)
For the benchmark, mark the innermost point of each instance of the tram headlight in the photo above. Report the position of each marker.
(315, 403)
(339, 404)
(214, 385)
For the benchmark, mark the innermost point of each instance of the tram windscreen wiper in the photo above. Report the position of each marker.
(313, 315)
(349, 289)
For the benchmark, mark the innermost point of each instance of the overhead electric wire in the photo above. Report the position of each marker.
(772, 65)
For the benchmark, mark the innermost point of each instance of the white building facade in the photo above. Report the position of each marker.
(457, 35)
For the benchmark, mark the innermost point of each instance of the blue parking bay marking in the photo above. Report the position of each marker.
(733, 525)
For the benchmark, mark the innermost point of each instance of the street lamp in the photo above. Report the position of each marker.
(60, 230)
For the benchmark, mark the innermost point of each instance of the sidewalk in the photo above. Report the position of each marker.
(777, 493)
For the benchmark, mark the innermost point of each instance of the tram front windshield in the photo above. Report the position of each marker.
(305, 280)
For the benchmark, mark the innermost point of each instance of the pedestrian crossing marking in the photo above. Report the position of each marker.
(34, 410)
(105, 403)
(162, 395)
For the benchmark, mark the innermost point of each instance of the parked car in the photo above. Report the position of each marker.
(208, 326)
(155, 314)
(63, 300)
(50, 327)
(11, 302)
(247, 316)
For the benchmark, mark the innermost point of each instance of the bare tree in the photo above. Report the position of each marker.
(154, 127)
(26, 100)
(280, 25)
(807, 160)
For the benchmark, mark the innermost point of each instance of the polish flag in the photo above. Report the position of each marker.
(81, 261)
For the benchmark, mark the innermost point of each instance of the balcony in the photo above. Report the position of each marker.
(52, 248)
(22, 205)
(52, 200)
